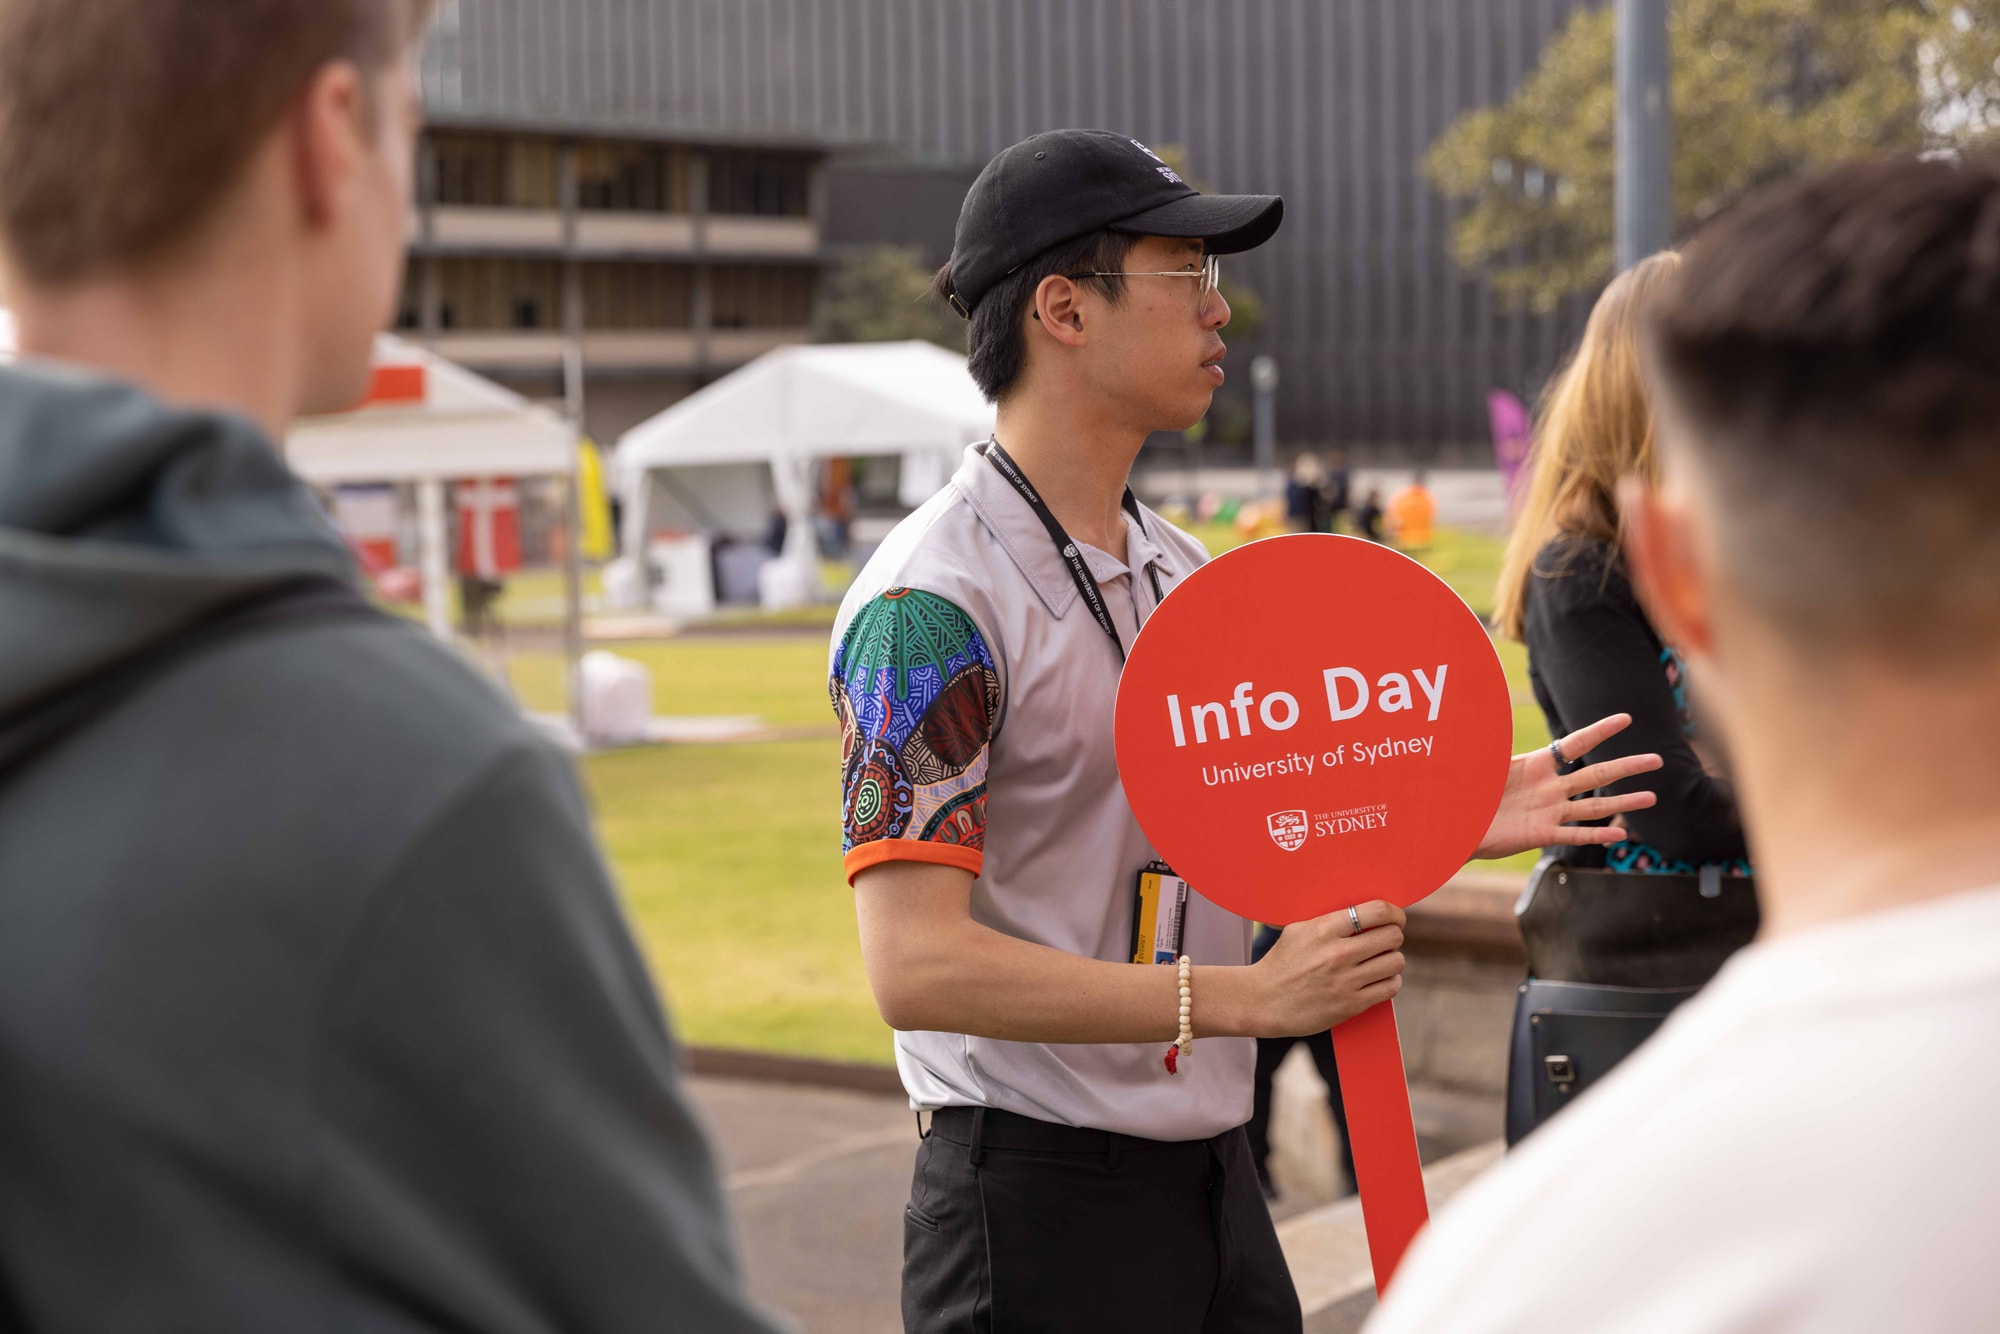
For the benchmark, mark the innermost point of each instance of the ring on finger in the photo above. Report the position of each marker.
(1556, 752)
(1354, 916)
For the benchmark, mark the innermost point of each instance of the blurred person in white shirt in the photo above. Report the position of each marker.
(1809, 1144)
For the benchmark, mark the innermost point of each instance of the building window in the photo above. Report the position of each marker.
(638, 296)
(489, 294)
(409, 302)
(771, 184)
(491, 171)
(637, 178)
(762, 296)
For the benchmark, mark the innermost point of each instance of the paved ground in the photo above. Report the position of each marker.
(817, 1179)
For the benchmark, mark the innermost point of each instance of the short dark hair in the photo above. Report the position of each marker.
(123, 122)
(996, 348)
(1831, 348)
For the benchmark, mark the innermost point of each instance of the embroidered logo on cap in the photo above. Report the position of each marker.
(1163, 168)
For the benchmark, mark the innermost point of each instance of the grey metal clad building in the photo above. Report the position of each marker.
(1382, 341)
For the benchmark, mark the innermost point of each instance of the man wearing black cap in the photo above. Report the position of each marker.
(1079, 1172)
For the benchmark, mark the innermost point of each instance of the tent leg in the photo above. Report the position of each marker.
(431, 543)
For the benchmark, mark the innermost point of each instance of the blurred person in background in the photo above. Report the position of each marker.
(1412, 512)
(1808, 1144)
(317, 1008)
(833, 511)
(1305, 503)
(1368, 519)
(1661, 911)
(1338, 489)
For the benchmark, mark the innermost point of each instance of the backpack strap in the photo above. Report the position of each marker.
(36, 727)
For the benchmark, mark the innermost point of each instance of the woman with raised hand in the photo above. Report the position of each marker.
(1644, 922)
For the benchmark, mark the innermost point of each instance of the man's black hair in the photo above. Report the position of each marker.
(996, 346)
(1831, 350)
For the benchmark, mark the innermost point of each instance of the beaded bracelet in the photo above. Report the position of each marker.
(1184, 1044)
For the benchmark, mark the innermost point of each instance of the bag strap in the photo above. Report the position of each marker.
(36, 727)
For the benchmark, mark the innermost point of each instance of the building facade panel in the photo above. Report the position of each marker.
(471, 228)
(763, 236)
(632, 233)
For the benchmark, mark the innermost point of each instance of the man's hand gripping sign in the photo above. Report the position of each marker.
(1309, 723)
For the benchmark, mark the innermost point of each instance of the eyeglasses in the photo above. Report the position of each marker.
(1209, 277)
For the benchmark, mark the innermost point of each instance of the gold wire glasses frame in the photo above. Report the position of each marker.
(1210, 275)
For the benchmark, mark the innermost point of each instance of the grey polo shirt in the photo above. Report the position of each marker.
(975, 692)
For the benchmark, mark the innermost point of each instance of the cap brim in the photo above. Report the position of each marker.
(1227, 223)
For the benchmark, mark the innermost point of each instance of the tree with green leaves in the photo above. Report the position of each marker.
(880, 294)
(1762, 89)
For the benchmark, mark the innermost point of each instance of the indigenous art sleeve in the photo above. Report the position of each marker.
(916, 691)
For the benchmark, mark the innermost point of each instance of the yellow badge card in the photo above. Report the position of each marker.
(1159, 913)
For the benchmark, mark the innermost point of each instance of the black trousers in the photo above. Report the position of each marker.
(1017, 1225)
(1271, 1053)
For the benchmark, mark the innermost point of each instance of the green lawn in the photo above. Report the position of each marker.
(730, 861)
(729, 856)
(781, 678)
(1469, 562)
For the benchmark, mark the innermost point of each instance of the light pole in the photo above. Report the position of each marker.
(1264, 418)
(1645, 207)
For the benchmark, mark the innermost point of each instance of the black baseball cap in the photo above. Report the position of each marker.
(1064, 184)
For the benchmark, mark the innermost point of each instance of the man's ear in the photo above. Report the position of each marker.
(1059, 310)
(1663, 554)
(329, 138)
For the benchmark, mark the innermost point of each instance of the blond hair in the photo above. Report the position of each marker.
(1594, 427)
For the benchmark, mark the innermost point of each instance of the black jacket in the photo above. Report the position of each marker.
(317, 1010)
(1592, 652)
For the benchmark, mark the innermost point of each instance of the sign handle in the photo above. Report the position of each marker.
(1382, 1136)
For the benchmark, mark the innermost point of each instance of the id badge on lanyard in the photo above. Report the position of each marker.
(1159, 915)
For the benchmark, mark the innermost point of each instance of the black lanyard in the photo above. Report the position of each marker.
(1079, 570)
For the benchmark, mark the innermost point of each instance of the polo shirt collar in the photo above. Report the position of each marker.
(1020, 534)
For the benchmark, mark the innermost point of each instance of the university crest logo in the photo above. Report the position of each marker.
(1288, 829)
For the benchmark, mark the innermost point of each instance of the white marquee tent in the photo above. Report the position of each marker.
(431, 418)
(428, 421)
(722, 459)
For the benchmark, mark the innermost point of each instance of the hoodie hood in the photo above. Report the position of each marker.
(123, 519)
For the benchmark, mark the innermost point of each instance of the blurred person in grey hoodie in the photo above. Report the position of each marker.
(316, 1005)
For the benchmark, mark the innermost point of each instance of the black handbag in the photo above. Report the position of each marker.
(1610, 954)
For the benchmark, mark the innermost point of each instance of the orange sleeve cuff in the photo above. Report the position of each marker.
(912, 850)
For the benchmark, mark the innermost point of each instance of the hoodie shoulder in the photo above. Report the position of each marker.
(317, 752)
(376, 679)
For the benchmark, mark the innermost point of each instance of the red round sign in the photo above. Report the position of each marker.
(1313, 721)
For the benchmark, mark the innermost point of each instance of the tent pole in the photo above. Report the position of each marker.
(431, 556)
(573, 389)
(573, 594)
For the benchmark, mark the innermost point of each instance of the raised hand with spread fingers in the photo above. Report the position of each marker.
(1544, 800)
